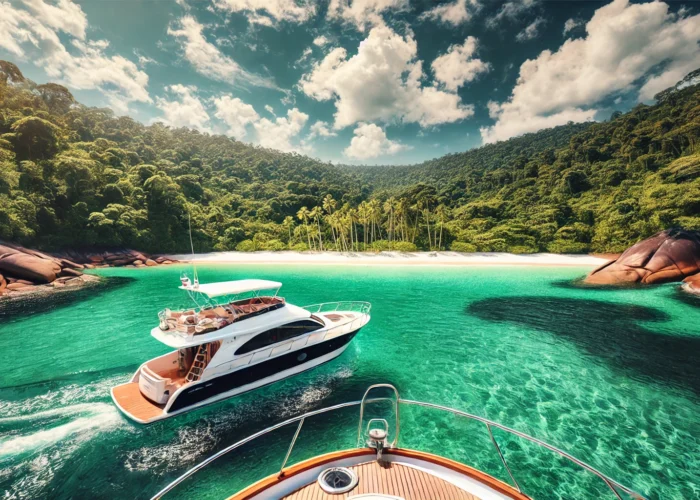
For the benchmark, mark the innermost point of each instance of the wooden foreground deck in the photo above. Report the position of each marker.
(390, 479)
(129, 398)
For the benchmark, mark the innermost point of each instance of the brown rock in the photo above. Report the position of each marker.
(3, 283)
(67, 271)
(692, 283)
(138, 262)
(30, 267)
(24, 282)
(74, 282)
(160, 260)
(71, 264)
(167, 262)
(18, 286)
(89, 266)
(120, 262)
(151, 262)
(668, 256)
(97, 259)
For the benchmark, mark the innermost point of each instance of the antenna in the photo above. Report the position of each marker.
(194, 266)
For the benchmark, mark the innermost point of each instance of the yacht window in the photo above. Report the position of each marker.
(279, 334)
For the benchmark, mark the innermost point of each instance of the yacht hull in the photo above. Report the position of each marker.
(246, 379)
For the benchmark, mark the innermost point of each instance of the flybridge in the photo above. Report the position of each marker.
(231, 287)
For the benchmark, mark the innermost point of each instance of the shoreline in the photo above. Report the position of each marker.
(392, 258)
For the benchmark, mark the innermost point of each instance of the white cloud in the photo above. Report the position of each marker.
(34, 36)
(236, 114)
(184, 109)
(278, 133)
(320, 129)
(320, 41)
(454, 13)
(624, 43)
(531, 31)
(267, 12)
(269, 109)
(206, 57)
(382, 82)
(363, 13)
(458, 66)
(511, 11)
(370, 141)
(571, 24)
(64, 16)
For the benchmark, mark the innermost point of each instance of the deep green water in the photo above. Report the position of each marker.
(611, 376)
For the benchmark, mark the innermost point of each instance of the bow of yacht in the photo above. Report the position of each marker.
(380, 469)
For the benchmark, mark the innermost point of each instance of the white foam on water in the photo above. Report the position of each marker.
(91, 418)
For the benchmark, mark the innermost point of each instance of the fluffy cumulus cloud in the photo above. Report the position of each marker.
(459, 66)
(363, 13)
(279, 133)
(531, 31)
(454, 13)
(183, 108)
(624, 43)
(31, 31)
(236, 114)
(320, 129)
(268, 12)
(570, 25)
(206, 57)
(370, 141)
(512, 10)
(382, 82)
(320, 41)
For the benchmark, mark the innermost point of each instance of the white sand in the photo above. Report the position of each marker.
(394, 258)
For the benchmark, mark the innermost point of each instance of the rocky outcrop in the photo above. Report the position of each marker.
(23, 270)
(692, 283)
(671, 255)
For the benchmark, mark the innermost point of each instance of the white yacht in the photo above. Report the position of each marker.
(240, 336)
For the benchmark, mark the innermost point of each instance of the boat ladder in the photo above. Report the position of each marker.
(200, 362)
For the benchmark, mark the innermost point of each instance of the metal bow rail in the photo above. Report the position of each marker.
(613, 485)
(350, 306)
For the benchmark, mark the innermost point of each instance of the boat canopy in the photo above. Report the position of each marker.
(232, 287)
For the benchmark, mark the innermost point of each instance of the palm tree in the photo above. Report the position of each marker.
(316, 214)
(303, 215)
(289, 224)
(442, 212)
(329, 205)
(389, 210)
(364, 216)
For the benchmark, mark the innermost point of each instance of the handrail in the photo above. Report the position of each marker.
(364, 307)
(395, 442)
(611, 483)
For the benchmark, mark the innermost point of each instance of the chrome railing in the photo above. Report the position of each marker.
(351, 306)
(613, 485)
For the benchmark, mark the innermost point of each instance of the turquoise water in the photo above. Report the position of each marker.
(610, 376)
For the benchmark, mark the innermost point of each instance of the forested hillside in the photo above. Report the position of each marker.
(73, 176)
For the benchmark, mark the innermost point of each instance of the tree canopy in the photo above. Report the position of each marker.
(75, 176)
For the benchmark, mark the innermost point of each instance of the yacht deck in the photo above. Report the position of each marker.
(131, 401)
(408, 483)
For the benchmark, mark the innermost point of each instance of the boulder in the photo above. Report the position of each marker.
(67, 271)
(30, 267)
(18, 286)
(138, 262)
(3, 283)
(97, 259)
(692, 283)
(668, 256)
(151, 262)
(74, 282)
(89, 266)
(71, 264)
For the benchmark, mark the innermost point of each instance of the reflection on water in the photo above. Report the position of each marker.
(605, 329)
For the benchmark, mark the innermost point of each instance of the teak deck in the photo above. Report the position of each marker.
(129, 397)
(390, 479)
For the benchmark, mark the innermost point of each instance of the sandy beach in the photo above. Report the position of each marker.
(394, 258)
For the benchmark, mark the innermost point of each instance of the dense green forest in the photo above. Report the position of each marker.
(74, 176)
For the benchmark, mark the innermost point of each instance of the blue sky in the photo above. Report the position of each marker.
(363, 81)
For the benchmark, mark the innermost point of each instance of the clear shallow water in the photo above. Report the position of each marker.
(610, 376)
